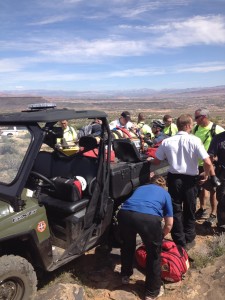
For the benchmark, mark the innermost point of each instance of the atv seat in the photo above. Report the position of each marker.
(62, 208)
(88, 142)
(65, 199)
(53, 165)
(126, 151)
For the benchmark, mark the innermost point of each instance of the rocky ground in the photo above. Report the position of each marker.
(96, 276)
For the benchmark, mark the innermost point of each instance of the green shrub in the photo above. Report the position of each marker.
(217, 245)
(8, 147)
(215, 248)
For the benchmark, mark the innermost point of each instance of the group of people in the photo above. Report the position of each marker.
(71, 136)
(196, 155)
(153, 134)
(160, 130)
(191, 151)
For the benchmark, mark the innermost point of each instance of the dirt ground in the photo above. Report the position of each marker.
(97, 273)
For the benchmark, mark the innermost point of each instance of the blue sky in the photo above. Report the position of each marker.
(101, 45)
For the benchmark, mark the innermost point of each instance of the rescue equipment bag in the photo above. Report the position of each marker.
(68, 189)
(151, 151)
(174, 261)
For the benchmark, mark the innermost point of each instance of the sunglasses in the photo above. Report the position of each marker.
(197, 117)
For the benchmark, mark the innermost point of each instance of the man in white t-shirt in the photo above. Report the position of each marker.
(182, 152)
(123, 121)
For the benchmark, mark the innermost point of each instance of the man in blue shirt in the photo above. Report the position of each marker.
(142, 214)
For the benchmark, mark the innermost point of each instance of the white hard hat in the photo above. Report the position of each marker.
(82, 181)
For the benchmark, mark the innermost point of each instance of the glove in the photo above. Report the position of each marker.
(215, 181)
(148, 141)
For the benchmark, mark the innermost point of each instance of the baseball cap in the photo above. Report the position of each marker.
(126, 115)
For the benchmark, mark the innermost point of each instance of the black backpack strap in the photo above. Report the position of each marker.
(213, 130)
(195, 129)
(170, 131)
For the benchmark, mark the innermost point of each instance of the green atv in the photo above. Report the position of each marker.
(46, 221)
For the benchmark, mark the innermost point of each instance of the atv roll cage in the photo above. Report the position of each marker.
(41, 125)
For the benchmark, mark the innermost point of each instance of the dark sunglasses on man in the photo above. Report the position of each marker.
(197, 117)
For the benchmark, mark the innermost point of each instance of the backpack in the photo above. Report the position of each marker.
(212, 131)
(91, 129)
(174, 261)
(85, 130)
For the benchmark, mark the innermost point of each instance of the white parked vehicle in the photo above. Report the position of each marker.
(11, 131)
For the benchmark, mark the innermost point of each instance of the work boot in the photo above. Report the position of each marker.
(201, 213)
(210, 221)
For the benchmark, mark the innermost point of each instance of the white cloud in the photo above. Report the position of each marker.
(51, 20)
(71, 1)
(128, 9)
(207, 30)
(194, 31)
(198, 30)
(54, 76)
(206, 67)
(137, 73)
(19, 87)
(81, 49)
(139, 8)
(202, 68)
(8, 65)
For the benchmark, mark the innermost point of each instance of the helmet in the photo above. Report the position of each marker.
(158, 123)
(82, 181)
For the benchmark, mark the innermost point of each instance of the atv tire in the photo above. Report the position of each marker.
(18, 280)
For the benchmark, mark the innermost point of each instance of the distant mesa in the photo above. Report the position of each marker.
(141, 99)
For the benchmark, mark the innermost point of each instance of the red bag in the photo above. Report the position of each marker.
(77, 183)
(94, 153)
(174, 261)
(152, 150)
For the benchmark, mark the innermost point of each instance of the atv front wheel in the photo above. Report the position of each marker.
(18, 280)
